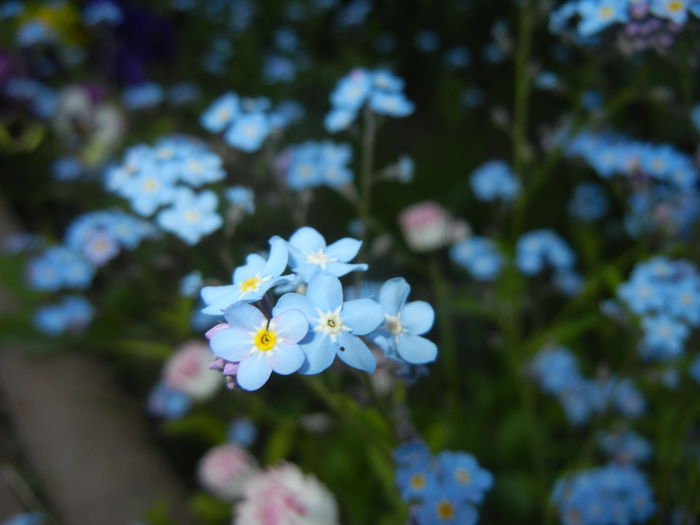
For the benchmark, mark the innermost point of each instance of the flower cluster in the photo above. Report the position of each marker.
(479, 256)
(246, 122)
(625, 447)
(540, 249)
(609, 495)
(305, 332)
(312, 164)
(162, 178)
(445, 488)
(71, 314)
(638, 24)
(665, 293)
(589, 202)
(381, 90)
(556, 370)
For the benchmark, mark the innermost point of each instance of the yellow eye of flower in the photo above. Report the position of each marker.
(192, 215)
(445, 510)
(150, 185)
(251, 284)
(417, 481)
(606, 12)
(675, 5)
(463, 476)
(265, 340)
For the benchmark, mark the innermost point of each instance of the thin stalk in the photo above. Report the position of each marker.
(522, 85)
(364, 202)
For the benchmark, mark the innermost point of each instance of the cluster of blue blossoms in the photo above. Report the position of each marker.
(305, 330)
(313, 164)
(247, 122)
(445, 488)
(556, 370)
(71, 314)
(589, 202)
(639, 24)
(165, 175)
(479, 256)
(665, 294)
(494, 180)
(610, 495)
(381, 90)
(626, 447)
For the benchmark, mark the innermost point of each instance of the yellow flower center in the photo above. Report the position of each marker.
(606, 12)
(445, 510)
(150, 185)
(265, 340)
(251, 284)
(675, 5)
(192, 215)
(393, 325)
(417, 481)
(463, 476)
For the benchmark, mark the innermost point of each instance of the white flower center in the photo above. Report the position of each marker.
(330, 324)
(319, 258)
(393, 325)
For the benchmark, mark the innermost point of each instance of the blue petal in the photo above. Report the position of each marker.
(253, 371)
(417, 317)
(393, 295)
(294, 301)
(307, 239)
(355, 353)
(340, 269)
(319, 352)
(291, 325)
(325, 292)
(218, 298)
(244, 316)
(362, 315)
(344, 250)
(230, 344)
(416, 350)
(287, 359)
(253, 265)
(277, 261)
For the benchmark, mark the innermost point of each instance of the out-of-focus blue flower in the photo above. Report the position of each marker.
(33, 32)
(248, 131)
(143, 96)
(221, 113)
(71, 314)
(472, 97)
(541, 248)
(479, 256)
(286, 39)
(694, 369)
(354, 13)
(674, 10)
(30, 518)
(464, 471)
(260, 346)
(183, 93)
(242, 197)
(167, 403)
(589, 202)
(663, 335)
(278, 69)
(547, 80)
(446, 506)
(242, 430)
(191, 216)
(427, 40)
(596, 15)
(11, 9)
(335, 325)
(610, 495)
(250, 281)
(312, 164)
(457, 57)
(66, 169)
(555, 369)
(494, 180)
(309, 254)
(201, 167)
(102, 11)
(190, 284)
(404, 324)
(59, 267)
(626, 447)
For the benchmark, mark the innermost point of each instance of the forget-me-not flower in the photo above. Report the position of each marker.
(309, 254)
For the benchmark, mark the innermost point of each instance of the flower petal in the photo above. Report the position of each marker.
(362, 315)
(319, 352)
(325, 292)
(393, 295)
(287, 359)
(291, 325)
(230, 344)
(341, 269)
(355, 353)
(307, 239)
(254, 371)
(245, 317)
(253, 265)
(415, 349)
(344, 249)
(417, 317)
(294, 301)
(277, 261)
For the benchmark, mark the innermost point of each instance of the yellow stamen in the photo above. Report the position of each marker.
(265, 340)
(445, 510)
(251, 284)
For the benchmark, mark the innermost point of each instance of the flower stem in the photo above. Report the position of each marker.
(364, 203)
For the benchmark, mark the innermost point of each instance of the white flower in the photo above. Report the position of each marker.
(187, 371)
(226, 471)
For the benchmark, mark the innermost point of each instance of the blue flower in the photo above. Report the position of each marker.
(539, 248)
(202, 167)
(242, 430)
(626, 447)
(309, 254)
(190, 284)
(596, 15)
(416, 480)
(191, 216)
(221, 113)
(404, 323)
(589, 202)
(259, 345)
(479, 256)
(241, 197)
(446, 506)
(60, 267)
(167, 403)
(462, 470)
(102, 11)
(142, 96)
(674, 10)
(494, 180)
(151, 188)
(335, 325)
(248, 131)
(664, 336)
(71, 314)
(29, 518)
(250, 281)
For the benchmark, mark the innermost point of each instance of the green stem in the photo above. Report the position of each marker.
(364, 202)
(522, 85)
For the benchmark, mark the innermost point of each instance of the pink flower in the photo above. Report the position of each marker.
(283, 495)
(187, 371)
(226, 470)
(428, 226)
